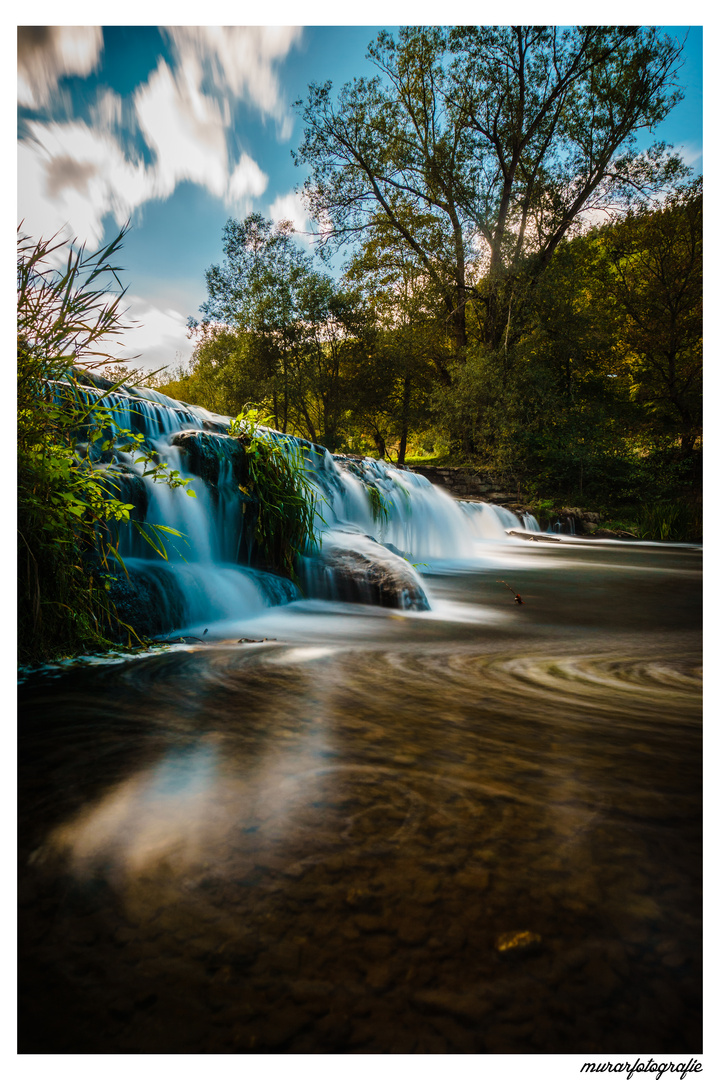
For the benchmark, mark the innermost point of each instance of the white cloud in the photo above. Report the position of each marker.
(589, 219)
(107, 110)
(240, 62)
(691, 154)
(248, 179)
(290, 208)
(158, 336)
(46, 53)
(70, 176)
(184, 128)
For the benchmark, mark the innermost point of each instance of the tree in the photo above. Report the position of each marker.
(335, 327)
(272, 316)
(255, 291)
(653, 274)
(408, 350)
(227, 370)
(480, 148)
(560, 412)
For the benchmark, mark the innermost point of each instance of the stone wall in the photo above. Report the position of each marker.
(470, 485)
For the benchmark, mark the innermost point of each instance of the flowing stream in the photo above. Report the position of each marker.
(450, 824)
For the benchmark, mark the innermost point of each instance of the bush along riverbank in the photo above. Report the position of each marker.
(676, 519)
(70, 507)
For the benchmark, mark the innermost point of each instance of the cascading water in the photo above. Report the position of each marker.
(375, 521)
(488, 521)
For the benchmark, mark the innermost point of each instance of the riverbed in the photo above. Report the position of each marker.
(475, 829)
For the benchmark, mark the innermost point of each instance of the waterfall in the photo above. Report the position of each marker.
(377, 522)
(488, 521)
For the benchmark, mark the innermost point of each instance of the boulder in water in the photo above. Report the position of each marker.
(354, 568)
(206, 452)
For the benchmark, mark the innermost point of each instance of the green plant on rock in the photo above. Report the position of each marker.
(274, 477)
(70, 508)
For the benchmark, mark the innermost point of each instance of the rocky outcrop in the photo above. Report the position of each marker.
(355, 568)
(464, 483)
(208, 454)
(578, 522)
(471, 485)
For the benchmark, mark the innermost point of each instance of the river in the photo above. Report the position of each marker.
(473, 829)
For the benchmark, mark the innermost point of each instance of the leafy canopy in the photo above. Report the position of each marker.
(480, 147)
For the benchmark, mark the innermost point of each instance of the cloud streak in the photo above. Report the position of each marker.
(240, 63)
(184, 129)
(47, 53)
(156, 337)
(73, 174)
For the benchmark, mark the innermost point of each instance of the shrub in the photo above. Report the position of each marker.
(274, 475)
(669, 520)
(69, 510)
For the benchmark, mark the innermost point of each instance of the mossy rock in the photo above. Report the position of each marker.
(207, 452)
(149, 600)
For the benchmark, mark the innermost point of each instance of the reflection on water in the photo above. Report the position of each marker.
(394, 834)
(158, 813)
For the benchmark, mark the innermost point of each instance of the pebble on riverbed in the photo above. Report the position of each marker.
(516, 941)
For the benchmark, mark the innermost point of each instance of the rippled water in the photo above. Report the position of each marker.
(471, 830)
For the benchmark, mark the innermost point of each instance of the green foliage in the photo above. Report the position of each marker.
(669, 520)
(70, 508)
(542, 508)
(276, 480)
(378, 504)
(271, 318)
(228, 367)
(653, 275)
(587, 403)
(407, 347)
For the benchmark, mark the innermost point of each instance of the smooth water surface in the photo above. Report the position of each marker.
(475, 829)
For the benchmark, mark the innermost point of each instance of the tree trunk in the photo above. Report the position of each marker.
(459, 330)
(407, 387)
(687, 443)
(308, 421)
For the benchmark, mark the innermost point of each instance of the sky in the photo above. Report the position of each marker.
(178, 129)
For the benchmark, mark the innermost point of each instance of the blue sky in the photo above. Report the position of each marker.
(179, 129)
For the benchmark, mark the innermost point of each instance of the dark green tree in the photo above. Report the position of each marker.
(255, 291)
(228, 369)
(653, 274)
(408, 351)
